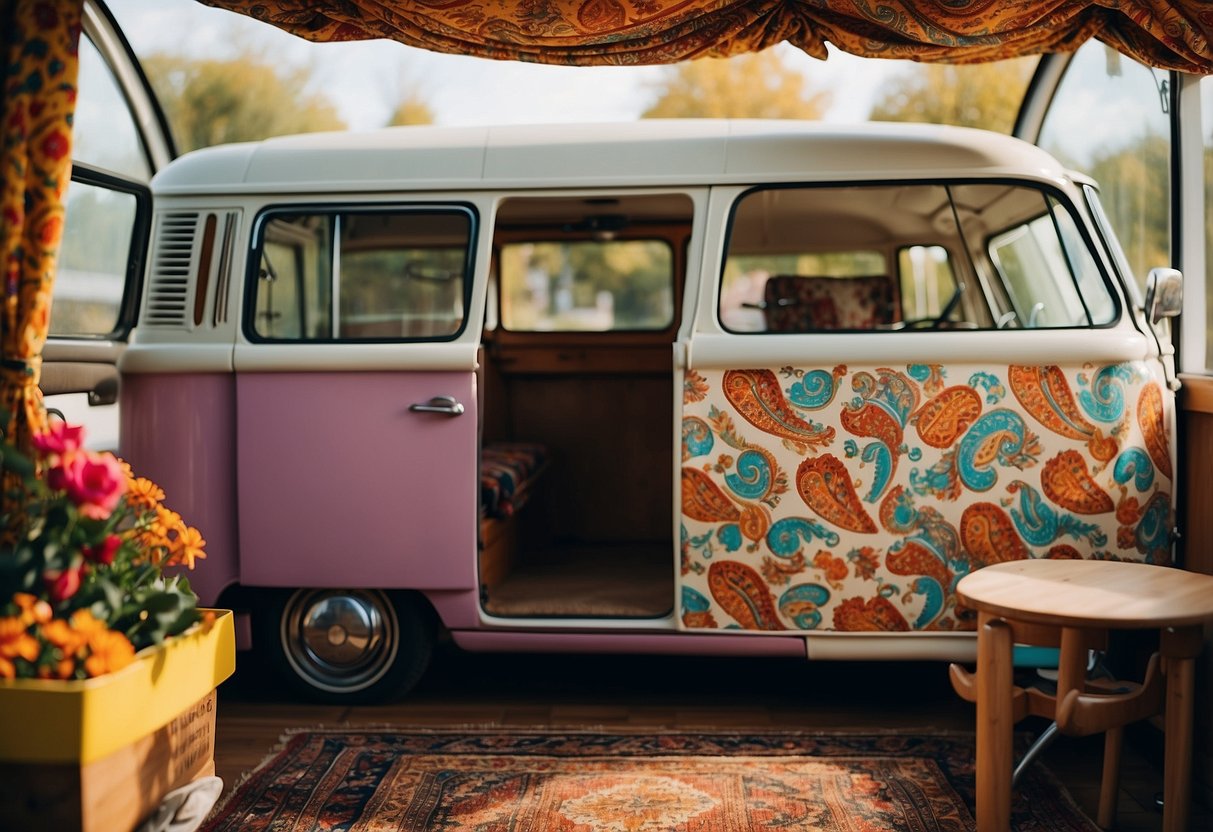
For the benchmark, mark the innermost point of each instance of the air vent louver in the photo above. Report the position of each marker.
(168, 295)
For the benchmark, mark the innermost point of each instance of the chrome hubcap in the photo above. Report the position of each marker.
(340, 640)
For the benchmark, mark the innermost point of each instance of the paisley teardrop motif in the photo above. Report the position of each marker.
(989, 536)
(876, 614)
(942, 420)
(703, 500)
(743, 594)
(1153, 430)
(1045, 394)
(825, 486)
(802, 603)
(755, 394)
(697, 438)
(1067, 482)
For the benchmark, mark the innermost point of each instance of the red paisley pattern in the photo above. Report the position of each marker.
(743, 594)
(825, 486)
(1153, 428)
(1067, 482)
(703, 500)
(756, 395)
(1045, 394)
(941, 421)
(875, 614)
(1059, 498)
(1172, 35)
(989, 536)
(913, 559)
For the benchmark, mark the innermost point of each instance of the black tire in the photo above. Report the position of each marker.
(344, 646)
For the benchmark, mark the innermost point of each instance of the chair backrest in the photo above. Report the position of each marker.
(792, 303)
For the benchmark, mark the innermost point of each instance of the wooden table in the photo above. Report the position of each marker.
(1073, 604)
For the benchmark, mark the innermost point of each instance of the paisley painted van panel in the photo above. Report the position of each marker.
(854, 498)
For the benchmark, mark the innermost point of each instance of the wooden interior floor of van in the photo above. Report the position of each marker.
(634, 580)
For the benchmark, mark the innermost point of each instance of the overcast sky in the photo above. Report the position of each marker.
(363, 78)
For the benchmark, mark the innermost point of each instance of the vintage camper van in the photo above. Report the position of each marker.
(760, 388)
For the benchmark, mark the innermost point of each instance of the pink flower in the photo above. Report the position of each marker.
(59, 438)
(103, 553)
(94, 482)
(63, 584)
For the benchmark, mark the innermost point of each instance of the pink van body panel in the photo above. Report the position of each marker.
(458, 609)
(178, 430)
(684, 644)
(340, 485)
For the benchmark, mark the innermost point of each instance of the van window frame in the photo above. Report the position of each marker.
(268, 212)
(1095, 245)
(128, 306)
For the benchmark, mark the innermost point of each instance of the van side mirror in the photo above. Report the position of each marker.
(1164, 294)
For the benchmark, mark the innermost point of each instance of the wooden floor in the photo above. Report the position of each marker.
(662, 693)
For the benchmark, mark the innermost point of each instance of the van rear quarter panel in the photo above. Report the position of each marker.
(178, 430)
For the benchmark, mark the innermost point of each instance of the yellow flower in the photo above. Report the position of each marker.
(188, 547)
(143, 493)
(110, 651)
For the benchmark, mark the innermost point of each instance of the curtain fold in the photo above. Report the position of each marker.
(36, 107)
(1168, 35)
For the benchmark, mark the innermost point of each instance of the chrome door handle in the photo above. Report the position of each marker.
(439, 404)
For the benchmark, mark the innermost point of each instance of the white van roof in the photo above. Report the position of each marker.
(648, 152)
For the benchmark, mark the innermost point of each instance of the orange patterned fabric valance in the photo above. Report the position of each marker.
(1171, 35)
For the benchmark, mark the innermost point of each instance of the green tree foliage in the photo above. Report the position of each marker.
(969, 95)
(246, 98)
(755, 85)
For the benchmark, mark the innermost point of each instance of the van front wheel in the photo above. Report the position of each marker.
(346, 646)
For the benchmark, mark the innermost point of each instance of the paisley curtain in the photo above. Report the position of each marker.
(36, 105)
(1169, 35)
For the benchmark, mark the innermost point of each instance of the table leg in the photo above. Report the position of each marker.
(1177, 761)
(995, 724)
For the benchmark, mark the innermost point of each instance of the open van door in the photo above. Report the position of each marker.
(892, 384)
(120, 140)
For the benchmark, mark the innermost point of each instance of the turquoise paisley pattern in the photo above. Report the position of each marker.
(805, 508)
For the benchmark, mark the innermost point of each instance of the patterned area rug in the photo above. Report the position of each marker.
(493, 781)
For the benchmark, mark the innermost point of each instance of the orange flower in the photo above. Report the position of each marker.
(60, 634)
(110, 651)
(143, 493)
(33, 609)
(188, 547)
(15, 641)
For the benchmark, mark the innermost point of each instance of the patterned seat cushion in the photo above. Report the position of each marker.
(507, 472)
(792, 303)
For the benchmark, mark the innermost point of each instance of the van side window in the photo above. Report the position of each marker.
(587, 286)
(908, 257)
(400, 275)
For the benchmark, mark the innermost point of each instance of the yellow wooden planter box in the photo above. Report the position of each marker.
(100, 754)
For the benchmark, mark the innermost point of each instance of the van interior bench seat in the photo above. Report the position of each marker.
(508, 471)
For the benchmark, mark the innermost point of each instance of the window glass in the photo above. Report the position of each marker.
(927, 281)
(104, 131)
(588, 286)
(93, 255)
(1020, 260)
(1109, 120)
(362, 276)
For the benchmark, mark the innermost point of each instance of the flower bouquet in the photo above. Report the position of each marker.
(108, 668)
(82, 581)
